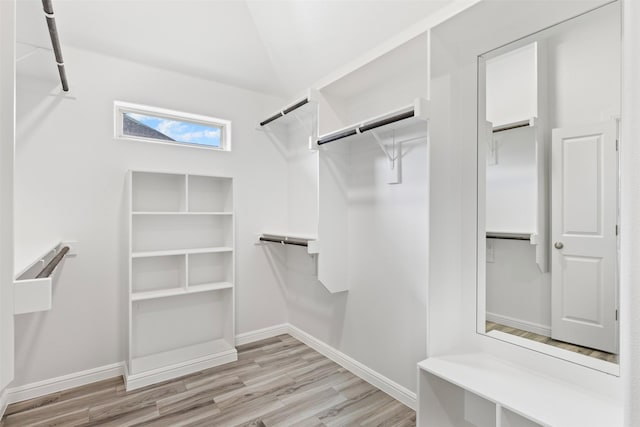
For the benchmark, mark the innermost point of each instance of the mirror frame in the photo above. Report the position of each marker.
(546, 349)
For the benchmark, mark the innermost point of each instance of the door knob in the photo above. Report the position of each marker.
(558, 245)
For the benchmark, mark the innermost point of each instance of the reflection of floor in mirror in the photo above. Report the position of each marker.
(613, 358)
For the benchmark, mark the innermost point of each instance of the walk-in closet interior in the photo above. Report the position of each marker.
(320, 213)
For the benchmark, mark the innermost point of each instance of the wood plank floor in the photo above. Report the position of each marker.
(275, 382)
(609, 357)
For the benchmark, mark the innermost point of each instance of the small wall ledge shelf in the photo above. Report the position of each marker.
(387, 131)
(479, 389)
(310, 242)
(32, 288)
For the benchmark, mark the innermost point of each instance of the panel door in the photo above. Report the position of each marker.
(583, 235)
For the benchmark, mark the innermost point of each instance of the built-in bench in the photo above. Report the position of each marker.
(481, 390)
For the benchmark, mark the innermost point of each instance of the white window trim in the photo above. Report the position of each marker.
(121, 107)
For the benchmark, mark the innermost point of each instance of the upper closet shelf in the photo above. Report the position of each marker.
(397, 119)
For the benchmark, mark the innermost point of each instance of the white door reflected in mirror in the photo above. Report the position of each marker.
(583, 215)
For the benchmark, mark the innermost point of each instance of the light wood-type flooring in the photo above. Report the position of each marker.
(613, 358)
(275, 382)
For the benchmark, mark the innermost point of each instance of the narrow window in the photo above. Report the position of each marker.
(143, 123)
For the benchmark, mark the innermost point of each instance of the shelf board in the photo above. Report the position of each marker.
(180, 213)
(147, 254)
(183, 355)
(541, 399)
(172, 292)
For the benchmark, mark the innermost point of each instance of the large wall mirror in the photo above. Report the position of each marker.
(548, 205)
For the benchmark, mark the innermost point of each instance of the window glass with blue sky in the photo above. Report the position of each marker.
(169, 129)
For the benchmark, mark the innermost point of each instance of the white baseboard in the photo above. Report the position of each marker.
(262, 334)
(374, 378)
(512, 322)
(41, 388)
(135, 381)
(4, 402)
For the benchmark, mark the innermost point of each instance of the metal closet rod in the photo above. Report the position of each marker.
(284, 241)
(367, 127)
(55, 42)
(285, 112)
(49, 268)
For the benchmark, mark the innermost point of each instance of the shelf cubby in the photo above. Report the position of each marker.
(158, 192)
(174, 232)
(166, 330)
(158, 273)
(210, 268)
(210, 194)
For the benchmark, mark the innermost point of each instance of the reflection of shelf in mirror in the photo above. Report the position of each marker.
(513, 125)
(510, 235)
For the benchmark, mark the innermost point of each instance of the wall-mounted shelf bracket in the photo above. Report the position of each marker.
(394, 157)
(32, 288)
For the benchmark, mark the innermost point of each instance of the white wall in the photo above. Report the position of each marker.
(70, 184)
(7, 132)
(380, 320)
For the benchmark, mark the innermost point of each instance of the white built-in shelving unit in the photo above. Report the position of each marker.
(181, 275)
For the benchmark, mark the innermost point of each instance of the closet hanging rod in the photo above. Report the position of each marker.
(369, 126)
(49, 268)
(510, 126)
(508, 236)
(284, 112)
(55, 42)
(285, 241)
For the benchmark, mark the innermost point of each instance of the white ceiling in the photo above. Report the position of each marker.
(277, 47)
